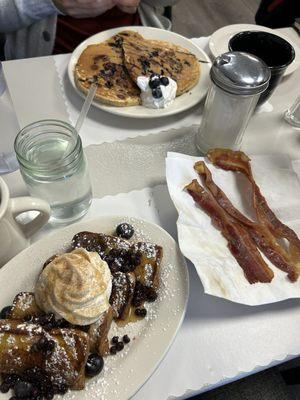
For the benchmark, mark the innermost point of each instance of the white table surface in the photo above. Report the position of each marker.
(263, 336)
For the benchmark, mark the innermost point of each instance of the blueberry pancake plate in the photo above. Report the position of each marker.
(183, 102)
(148, 339)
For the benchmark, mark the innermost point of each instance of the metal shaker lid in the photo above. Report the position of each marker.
(240, 73)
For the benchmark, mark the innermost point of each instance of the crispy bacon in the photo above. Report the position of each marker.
(259, 233)
(237, 161)
(239, 241)
(229, 159)
(218, 194)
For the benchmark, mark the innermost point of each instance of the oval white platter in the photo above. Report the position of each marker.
(151, 338)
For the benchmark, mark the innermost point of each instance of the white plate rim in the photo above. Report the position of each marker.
(112, 220)
(140, 111)
(216, 48)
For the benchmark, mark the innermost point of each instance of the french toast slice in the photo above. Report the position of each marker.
(123, 285)
(99, 242)
(135, 268)
(23, 306)
(147, 271)
(142, 258)
(98, 333)
(65, 364)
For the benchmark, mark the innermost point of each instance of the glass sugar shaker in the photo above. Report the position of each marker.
(237, 81)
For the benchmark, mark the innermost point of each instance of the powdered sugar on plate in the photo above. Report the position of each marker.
(151, 337)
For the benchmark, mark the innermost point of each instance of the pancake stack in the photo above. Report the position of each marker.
(116, 64)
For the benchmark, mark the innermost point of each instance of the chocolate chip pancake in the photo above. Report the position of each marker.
(103, 63)
(116, 64)
(145, 57)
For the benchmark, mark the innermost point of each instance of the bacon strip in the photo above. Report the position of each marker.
(239, 241)
(237, 161)
(259, 233)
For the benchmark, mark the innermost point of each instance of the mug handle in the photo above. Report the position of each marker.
(22, 204)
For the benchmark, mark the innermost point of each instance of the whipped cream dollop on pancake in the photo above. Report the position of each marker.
(75, 286)
(160, 96)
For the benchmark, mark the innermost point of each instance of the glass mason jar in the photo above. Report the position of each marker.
(54, 168)
(237, 81)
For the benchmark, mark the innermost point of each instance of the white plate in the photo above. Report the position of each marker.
(126, 372)
(219, 40)
(181, 103)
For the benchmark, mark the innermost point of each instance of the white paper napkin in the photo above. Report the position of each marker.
(205, 246)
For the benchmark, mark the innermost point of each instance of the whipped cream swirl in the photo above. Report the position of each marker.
(75, 286)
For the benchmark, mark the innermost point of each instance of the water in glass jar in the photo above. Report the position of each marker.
(68, 190)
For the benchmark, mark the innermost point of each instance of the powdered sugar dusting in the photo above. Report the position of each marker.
(124, 372)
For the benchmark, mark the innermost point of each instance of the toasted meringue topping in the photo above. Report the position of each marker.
(75, 286)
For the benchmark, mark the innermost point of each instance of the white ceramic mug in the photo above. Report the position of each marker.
(14, 235)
